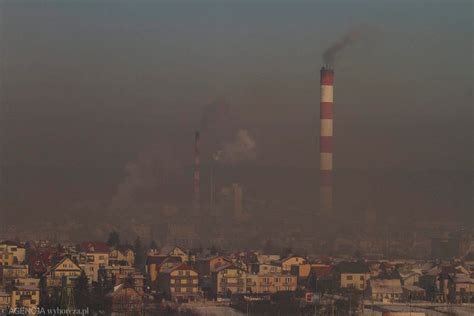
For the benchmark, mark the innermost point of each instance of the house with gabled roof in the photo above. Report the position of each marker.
(96, 252)
(206, 266)
(294, 260)
(125, 300)
(65, 270)
(353, 275)
(122, 255)
(175, 251)
(154, 263)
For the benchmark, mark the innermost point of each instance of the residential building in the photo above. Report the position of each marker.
(271, 282)
(126, 301)
(269, 268)
(385, 290)
(175, 251)
(5, 300)
(264, 258)
(463, 288)
(25, 296)
(154, 263)
(353, 275)
(206, 266)
(6, 258)
(179, 283)
(291, 261)
(321, 279)
(229, 280)
(122, 255)
(65, 269)
(113, 271)
(96, 252)
(10, 273)
(91, 270)
(31, 282)
(16, 249)
(410, 277)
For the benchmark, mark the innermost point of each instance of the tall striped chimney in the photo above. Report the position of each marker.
(325, 140)
(197, 175)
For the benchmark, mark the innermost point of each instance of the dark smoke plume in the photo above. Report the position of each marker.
(218, 112)
(331, 53)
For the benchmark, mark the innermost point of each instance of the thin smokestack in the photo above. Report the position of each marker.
(325, 140)
(197, 175)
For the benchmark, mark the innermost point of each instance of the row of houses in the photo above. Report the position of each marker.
(173, 273)
(178, 278)
(28, 271)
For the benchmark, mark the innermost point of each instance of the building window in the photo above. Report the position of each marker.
(349, 277)
(362, 278)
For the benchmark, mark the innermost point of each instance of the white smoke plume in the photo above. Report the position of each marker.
(242, 148)
(139, 173)
(152, 169)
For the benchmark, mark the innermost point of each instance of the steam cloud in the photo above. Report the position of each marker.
(139, 173)
(151, 169)
(242, 148)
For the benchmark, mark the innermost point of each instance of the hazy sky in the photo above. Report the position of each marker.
(88, 83)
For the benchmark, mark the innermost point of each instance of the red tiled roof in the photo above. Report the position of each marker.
(41, 261)
(95, 247)
(322, 271)
(184, 266)
(158, 260)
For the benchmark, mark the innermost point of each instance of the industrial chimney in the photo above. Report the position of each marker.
(325, 140)
(197, 175)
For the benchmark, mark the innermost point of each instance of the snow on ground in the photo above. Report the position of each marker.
(429, 310)
(216, 311)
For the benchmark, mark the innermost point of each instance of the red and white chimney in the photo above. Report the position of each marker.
(325, 140)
